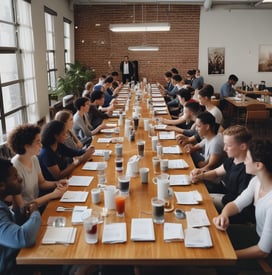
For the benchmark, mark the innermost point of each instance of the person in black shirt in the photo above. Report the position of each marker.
(228, 181)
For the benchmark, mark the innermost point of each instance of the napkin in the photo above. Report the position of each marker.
(114, 233)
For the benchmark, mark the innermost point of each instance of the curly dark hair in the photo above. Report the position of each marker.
(261, 151)
(21, 136)
(50, 131)
(5, 166)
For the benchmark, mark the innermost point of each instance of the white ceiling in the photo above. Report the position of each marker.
(229, 4)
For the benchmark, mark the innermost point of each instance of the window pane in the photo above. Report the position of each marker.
(52, 79)
(8, 67)
(30, 88)
(49, 21)
(24, 13)
(13, 120)
(6, 10)
(7, 35)
(28, 65)
(51, 60)
(12, 97)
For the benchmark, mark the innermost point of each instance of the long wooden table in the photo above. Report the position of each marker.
(138, 204)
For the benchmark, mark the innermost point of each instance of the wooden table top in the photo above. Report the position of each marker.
(138, 204)
(239, 103)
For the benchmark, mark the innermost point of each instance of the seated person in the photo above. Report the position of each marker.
(168, 79)
(232, 175)
(25, 141)
(82, 127)
(204, 98)
(198, 81)
(71, 141)
(53, 155)
(96, 116)
(191, 110)
(252, 242)
(184, 96)
(209, 153)
(14, 236)
(89, 86)
(227, 90)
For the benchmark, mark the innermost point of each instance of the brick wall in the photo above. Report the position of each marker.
(103, 50)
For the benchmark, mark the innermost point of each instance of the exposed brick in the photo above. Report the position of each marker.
(178, 48)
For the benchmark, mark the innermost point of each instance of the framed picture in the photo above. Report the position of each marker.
(216, 60)
(265, 58)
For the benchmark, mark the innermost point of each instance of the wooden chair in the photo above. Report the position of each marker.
(257, 118)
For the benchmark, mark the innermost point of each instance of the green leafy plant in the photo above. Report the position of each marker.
(73, 81)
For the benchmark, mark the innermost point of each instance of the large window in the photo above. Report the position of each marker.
(67, 41)
(50, 48)
(16, 64)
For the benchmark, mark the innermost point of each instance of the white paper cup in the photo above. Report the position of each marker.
(162, 186)
(109, 196)
(144, 175)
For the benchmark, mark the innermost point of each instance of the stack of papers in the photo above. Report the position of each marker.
(175, 149)
(172, 232)
(107, 131)
(158, 103)
(74, 196)
(163, 112)
(111, 125)
(114, 233)
(80, 180)
(197, 218)
(80, 213)
(142, 229)
(167, 135)
(179, 180)
(111, 140)
(92, 165)
(197, 237)
(160, 109)
(100, 152)
(158, 99)
(177, 164)
(63, 235)
(190, 197)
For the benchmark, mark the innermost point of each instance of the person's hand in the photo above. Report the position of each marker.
(221, 222)
(170, 128)
(30, 208)
(58, 192)
(90, 149)
(188, 148)
(62, 182)
(195, 173)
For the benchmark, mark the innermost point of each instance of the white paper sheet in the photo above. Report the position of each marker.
(80, 180)
(142, 229)
(167, 135)
(74, 196)
(114, 233)
(177, 164)
(197, 237)
(172, 232)
(54, 235)
(197, 218)
(175, 149)
(190, 197)
(100, 152)
(176, 180)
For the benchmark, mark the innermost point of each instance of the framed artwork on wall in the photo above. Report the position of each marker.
(216, 60)
(265, 58)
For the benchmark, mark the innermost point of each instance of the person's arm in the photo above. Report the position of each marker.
(210, 163)
(16, 236)
(212, 175)
(174, 128)
(180, 120)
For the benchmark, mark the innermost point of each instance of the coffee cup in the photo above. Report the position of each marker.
(109, 195)
(119, 150)
(119, 164)
(157, 210)
(141, 145)
(156, 165)
(164, 165)
(144, 175)
(123, 184)
(162, 186)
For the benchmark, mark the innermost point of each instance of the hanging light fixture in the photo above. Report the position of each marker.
(140, 27)
(143, 48)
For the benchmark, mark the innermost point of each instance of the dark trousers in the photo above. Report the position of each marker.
(126, 77)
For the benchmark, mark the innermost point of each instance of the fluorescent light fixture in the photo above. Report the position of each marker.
(143, 48)
(140, 27)
(267, 1)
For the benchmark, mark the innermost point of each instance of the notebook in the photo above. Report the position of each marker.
(176, 180)
(190, 197)
(114, 233)
(74, 196)
(197, 237)
(142, 229)
(63, 235)
(172, 232)
(80, 180)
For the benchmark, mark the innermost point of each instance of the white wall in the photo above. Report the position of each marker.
(63, 10)
(240, 32)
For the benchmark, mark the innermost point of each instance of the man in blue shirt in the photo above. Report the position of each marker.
(227, 90)
(13, 236)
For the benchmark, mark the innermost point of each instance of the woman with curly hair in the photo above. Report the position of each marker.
(25, 141)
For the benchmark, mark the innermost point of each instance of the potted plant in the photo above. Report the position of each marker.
(74, 80)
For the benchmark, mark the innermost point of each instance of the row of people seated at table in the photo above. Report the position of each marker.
(250, 242)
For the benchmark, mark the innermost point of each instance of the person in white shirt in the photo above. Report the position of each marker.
(248, 244)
